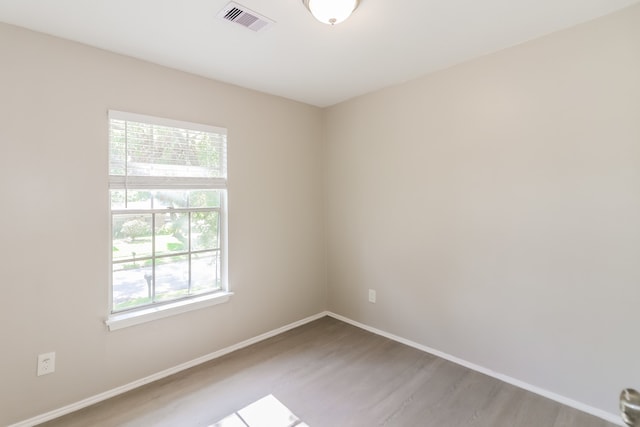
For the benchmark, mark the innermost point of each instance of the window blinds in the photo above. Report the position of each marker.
(148, 152)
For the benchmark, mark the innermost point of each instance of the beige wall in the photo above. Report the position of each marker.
(54, 97)
(495, 208)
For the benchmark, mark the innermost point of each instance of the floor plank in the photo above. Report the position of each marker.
(329, 373)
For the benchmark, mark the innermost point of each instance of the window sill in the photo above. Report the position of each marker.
(132, 318)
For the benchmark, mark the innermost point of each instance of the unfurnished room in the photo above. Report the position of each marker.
(320, 213)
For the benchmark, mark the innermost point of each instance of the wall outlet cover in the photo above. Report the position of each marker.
(46, 363)
(372, 296)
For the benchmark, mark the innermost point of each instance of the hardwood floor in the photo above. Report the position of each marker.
(331, 374)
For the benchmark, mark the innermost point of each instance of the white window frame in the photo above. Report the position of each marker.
(147, 313)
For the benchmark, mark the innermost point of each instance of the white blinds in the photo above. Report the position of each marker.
(148, 152)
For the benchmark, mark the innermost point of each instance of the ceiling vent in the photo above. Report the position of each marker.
(239, 14)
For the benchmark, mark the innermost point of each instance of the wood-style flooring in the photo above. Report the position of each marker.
(331, 374)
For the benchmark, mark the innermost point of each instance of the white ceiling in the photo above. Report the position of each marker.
(385, 42)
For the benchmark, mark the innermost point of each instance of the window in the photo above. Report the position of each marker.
(167, 185)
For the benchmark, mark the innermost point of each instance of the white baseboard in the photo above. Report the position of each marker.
(607, 416)
(162, 374)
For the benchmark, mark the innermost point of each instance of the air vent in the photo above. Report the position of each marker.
(239, 14)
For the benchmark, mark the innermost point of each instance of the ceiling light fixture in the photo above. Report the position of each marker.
(331, 11)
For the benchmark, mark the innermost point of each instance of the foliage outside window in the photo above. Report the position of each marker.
(167, 184)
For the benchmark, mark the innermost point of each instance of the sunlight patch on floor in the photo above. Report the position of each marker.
(266, 412)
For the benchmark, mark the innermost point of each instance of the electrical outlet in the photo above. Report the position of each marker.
(372, 296)
(46, 363)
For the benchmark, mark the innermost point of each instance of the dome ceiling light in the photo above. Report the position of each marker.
(331, 12)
